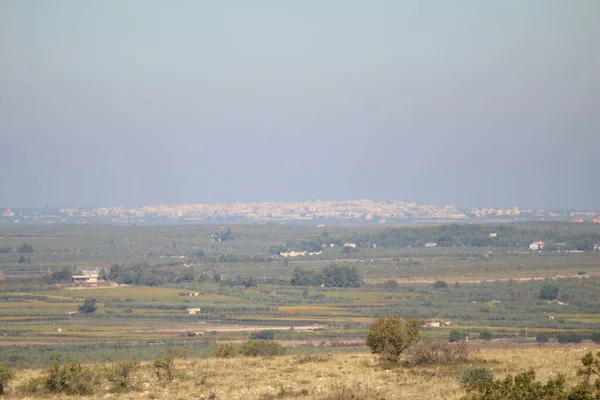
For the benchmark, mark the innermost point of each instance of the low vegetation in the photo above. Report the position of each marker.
(250, 348)
(7, 374)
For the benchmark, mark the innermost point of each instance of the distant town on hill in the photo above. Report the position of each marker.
(308, 212)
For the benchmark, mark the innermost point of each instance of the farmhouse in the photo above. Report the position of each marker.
(436, 324)
(430, 244)
(292, 253)
(539, 245)
(193, 311)
(86, 276)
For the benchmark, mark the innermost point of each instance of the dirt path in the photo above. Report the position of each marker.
(425, 281)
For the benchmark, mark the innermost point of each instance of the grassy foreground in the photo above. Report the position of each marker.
(331, 377)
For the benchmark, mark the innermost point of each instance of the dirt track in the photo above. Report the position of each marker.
(467, 280)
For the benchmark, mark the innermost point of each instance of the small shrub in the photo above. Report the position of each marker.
(226, 350)
(541, 338)
(478, 378)
(440, 285)
(549, 292)
(164, 366)
(88, 307)
(250, 348)
(391, 285)
(311, 358)
(70, 378)
(6, 375)
(357, 392)
(486, 334)
(120, 374)
(263, 335)
(256, 348)
(581, 273)
(436, 351)
(33, 386)
(456, 335)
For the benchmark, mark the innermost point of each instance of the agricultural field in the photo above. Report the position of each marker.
(193, 286)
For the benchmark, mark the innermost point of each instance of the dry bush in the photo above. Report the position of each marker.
(70, 378)
(6, 375)
(436, 352)
(226, 350)
(355, 392)
(121, 374)
(311, 358)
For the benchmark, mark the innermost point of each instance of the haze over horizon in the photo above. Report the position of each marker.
(476, 104)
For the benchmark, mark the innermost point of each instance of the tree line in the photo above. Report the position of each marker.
(331, 276)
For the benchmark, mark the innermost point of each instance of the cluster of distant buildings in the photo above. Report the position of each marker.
(353, 210)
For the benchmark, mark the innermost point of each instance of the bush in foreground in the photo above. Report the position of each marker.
(391, 335)
(164, 366)
(478, 378)
(121, 374)
(524, 386)
(6, 375)
(436, 352)
(70, 378)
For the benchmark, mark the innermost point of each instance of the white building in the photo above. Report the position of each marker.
(86, 276)
(539, 245)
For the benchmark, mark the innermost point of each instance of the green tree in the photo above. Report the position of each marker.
(22, 259)
(103, 275)
(569, 337)
(595, 337)
(391, 285)
(541, 338)
(186, 276)
(486, 334)
(6, 375)
(456, 335)
(263, 335)
(64, 275)
(114, 273)
(88, 307)
(549, 292)
(440, 285)
(390, 335)
(25, 248)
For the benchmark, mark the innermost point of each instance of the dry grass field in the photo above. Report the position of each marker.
(330, 377)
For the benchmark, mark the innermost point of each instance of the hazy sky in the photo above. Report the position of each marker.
(473, 103)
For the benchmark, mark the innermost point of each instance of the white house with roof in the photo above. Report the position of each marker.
(86, 276)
